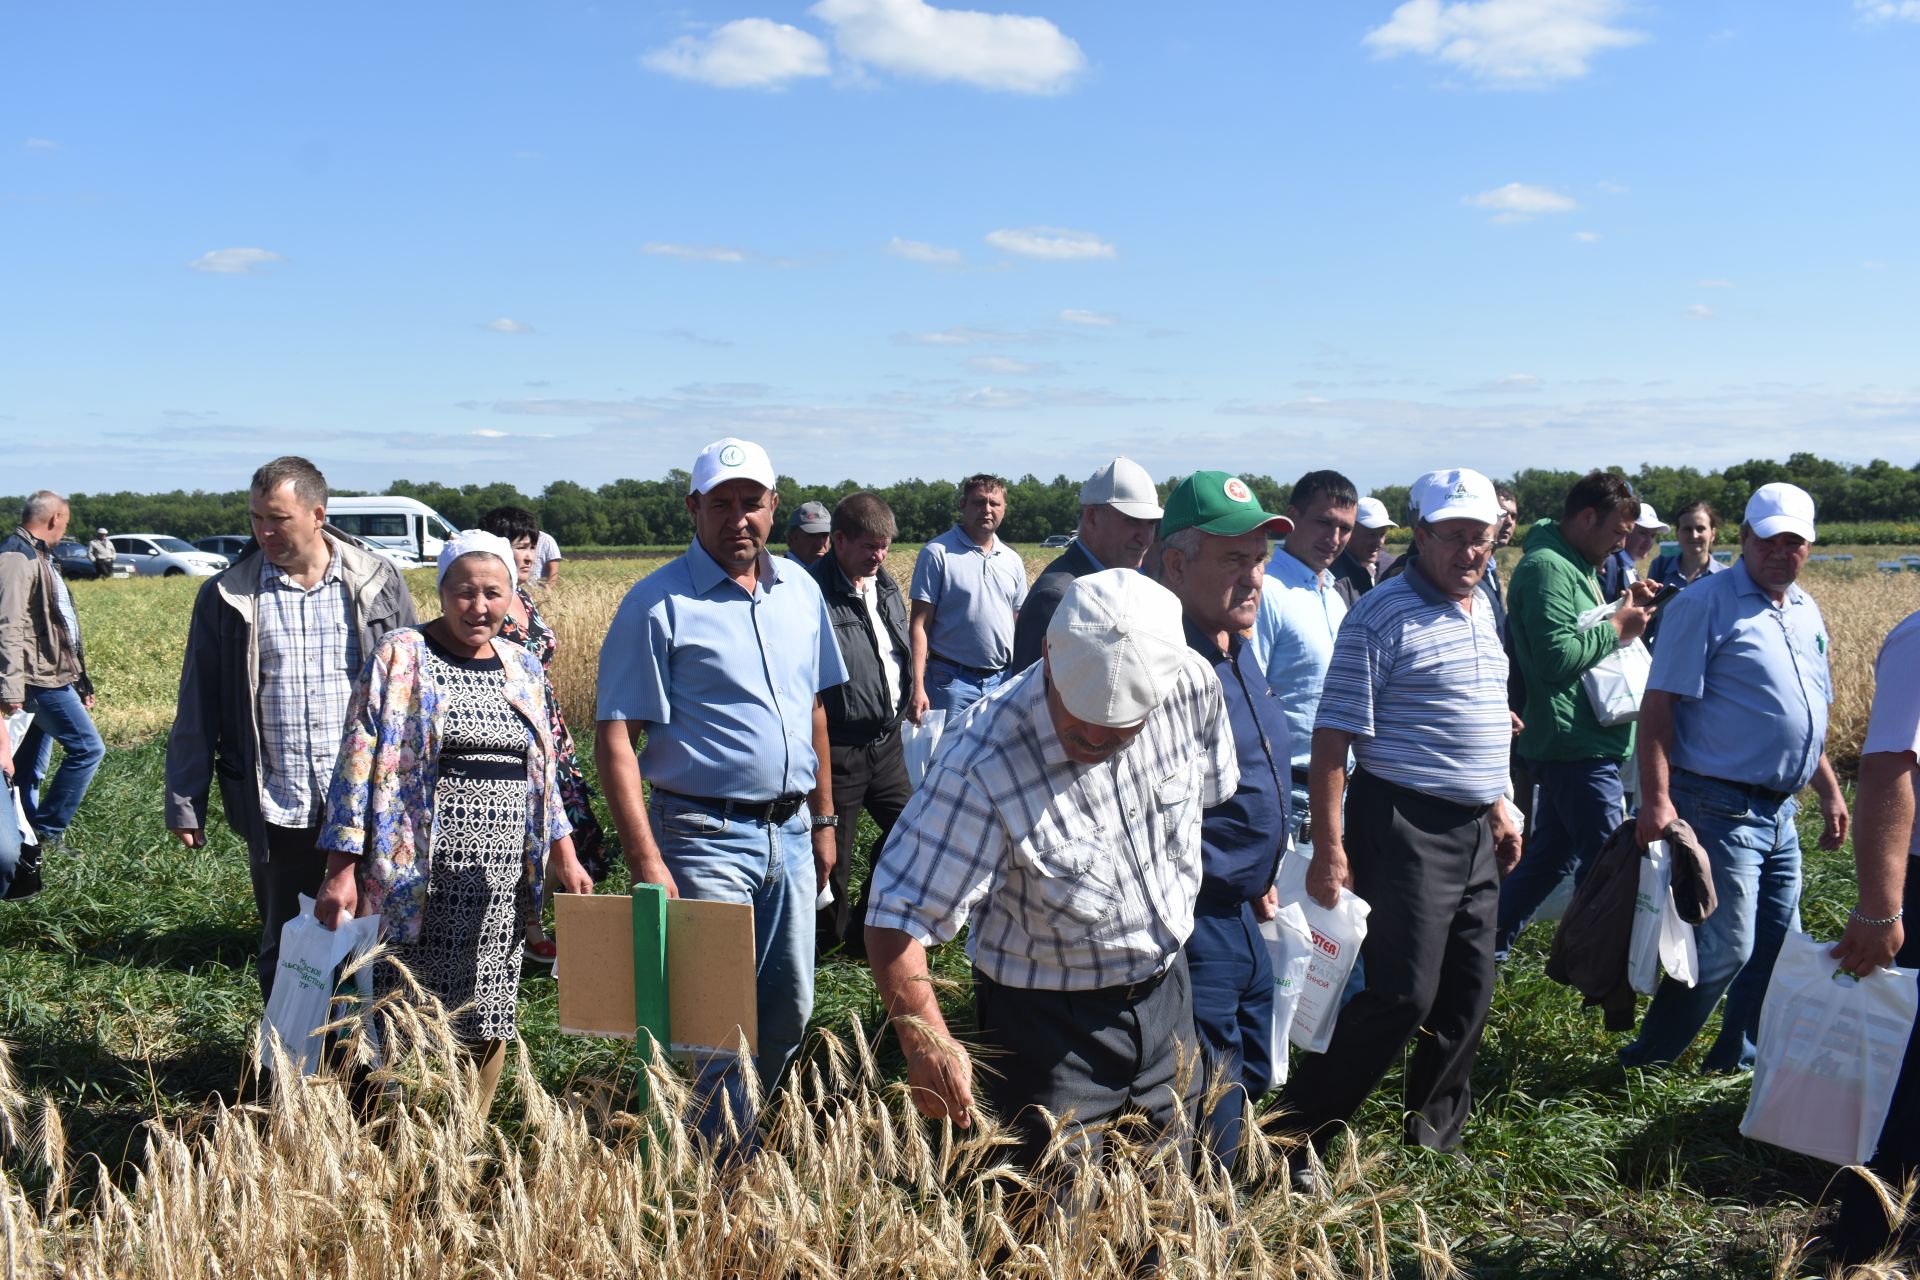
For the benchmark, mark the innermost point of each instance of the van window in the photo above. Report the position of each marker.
(438, 528)
(373, 524)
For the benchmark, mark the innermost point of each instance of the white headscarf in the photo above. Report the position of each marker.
(470, 541)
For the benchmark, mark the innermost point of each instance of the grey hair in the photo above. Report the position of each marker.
(40, 506)
(1187, 542)
(309, 486)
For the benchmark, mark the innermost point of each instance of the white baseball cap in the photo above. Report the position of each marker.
(1373, 515)
(1780, 508)
(1649, 518)
(1115, 647)
(1124, 485)
(731, 459)
(1455, 494)
(471, 541)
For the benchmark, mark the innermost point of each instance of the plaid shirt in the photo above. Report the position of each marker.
(309, 660)
(1076, 876)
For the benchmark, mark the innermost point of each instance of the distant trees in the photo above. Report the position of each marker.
(653, 512)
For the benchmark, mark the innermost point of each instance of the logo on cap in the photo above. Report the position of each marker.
(731, 456)
(1460, 490)
(1237, 490)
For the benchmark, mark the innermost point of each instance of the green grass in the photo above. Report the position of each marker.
(128, 994)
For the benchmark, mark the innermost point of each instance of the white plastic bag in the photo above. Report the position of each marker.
(920, 741)
(1829, 1053)
(17, 725)
(1661, 939)
(1337, 934)
(1290, 947)
(1616, 684)
(310, 957)
(1679, 949)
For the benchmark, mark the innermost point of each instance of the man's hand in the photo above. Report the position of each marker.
(1866, 947)
(1327, 874)
(941, 1078)
(1834, 820)
(339, 895)
(1518, 723)
(651, 870)
(192, 837)
(1643, 590)
(88, 701)
(8, 708)
(1267, 905)
(1656, 815)
(1630, 620)
(568, 875)
(1507, 845)
(917, 706)
(826, 851)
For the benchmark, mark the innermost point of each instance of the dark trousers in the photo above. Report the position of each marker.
(873, 778)
(1090, 1055)
(1863, 1229)
(294, 865)
(1425, 868)
(1232, 977)
(1580, 805)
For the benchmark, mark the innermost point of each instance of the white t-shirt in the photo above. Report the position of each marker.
(1895, 723)
(869, 592)
(545, 551)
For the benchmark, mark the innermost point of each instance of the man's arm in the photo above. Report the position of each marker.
(1885, 804)
(1655, 744)
(1833, 805)
(939, 1072)
(820, 800)
(1326, 791)
(196, 727)
(16, 585)
(917, 623)
(619, 767)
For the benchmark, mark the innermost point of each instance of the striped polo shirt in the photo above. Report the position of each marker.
(1421, 683)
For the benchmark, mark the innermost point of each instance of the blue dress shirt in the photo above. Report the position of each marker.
(1300, 613)
(1242, 836)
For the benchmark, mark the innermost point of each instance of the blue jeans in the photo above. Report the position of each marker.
(1754, 851)
(59, 715)
(1232, 978)
(733, 859)
(1580, 804)
(952, 688)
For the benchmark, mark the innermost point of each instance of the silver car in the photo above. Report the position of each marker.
(157, 555)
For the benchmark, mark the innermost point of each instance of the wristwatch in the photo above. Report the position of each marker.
(828, 820)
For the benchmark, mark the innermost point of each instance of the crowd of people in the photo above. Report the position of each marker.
(1197, 689)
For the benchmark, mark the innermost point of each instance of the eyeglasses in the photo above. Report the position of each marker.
(1456, 543)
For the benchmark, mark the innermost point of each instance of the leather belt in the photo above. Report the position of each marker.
(973, 671)
(1131, 991)
(1749, 789)
(775, 813)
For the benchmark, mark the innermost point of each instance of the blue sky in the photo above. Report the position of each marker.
(577, 241)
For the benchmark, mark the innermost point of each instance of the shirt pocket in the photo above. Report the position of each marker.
(1070, 880)
(1177, 799)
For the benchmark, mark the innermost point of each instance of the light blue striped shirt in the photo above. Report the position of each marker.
(1300, 613)
(1421, 683)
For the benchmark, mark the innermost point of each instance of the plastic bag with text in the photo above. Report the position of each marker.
(303, 983)
(1661, 939)
(1830, 1050)
(1337, 933)
(920, 741)
(1290, 947)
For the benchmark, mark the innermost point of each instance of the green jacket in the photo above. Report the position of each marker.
(1548, 592)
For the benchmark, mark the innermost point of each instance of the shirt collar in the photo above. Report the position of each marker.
(1092, 559)
(1202, 643)
(1295, 572)
(272, 575)
(707, 573)
(961, 533)
(1746, 586)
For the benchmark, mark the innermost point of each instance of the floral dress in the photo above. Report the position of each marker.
(590, 843)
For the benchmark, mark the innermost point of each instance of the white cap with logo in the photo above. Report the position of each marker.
(731, 459)
(1780, 508)
(1124, 485)
(1373, 515)
(1649, 518)
(1115, 647)
(1455, 494)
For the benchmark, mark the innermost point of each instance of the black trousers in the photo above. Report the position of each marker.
(1425, 868)
(874, 778)
(294, 865)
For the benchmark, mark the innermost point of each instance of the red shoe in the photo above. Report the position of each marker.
(543, 952)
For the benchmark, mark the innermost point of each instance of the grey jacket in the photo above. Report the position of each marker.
(216, 726)
(35, 649)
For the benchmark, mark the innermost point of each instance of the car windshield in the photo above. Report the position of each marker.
(172, 544)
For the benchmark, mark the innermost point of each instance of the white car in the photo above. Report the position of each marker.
(157, 555)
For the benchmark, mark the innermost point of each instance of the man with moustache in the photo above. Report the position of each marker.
(1733, 725)
(1119, 509)
(1356, 565)
(1062, 821)
(719, 658)
(1417, 691)
(1214, 544)
(967, 590)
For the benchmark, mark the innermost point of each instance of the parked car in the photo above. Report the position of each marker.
(74, 562)
(226, 544)
(159, 555)
(1059, 540)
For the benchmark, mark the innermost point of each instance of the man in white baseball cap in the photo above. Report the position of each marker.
(1355, 566)
(1622, 569)
(1062, 819)
(1119, 509)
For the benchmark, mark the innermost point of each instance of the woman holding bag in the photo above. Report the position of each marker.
(445, 799)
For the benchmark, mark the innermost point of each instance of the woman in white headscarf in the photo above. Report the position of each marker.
(445, 798)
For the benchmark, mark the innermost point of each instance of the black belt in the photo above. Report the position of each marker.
(775, 813)
(1749, 789)
(1127, 992)
(972, 671)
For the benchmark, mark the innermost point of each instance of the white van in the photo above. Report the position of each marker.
(401, 526)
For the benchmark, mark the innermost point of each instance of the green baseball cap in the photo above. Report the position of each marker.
(1219, 503)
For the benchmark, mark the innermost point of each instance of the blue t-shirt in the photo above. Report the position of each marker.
(1300, 613)
(974, 593)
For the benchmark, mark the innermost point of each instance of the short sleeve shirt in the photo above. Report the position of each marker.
(1751, 678)
(545, 552)
(724, 679)
(1895, 724)
(1300, 613)
(974, 593)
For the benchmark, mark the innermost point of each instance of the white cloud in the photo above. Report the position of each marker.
(1699, 311)
(1873, 264)
(1518, 202)
(1002, 51)
(235, 262)
(1714, 283)
(1007, 366)
(695, 252)
(1887, 10)
(964, 335)
(507, 325)
(748, 53)
(1096, 319)
(488, 433)
(1587, 237)
(1054, 244)
(919, 251)
(42, 144)
(1507, 44)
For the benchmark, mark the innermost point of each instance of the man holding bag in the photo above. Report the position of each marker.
(1734, 724)
(1573, 757)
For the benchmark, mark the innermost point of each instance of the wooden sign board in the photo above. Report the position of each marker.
(709, 963)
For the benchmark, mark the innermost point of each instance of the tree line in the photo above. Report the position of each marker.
(653, 512)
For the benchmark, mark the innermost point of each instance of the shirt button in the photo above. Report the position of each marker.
(1133, 813)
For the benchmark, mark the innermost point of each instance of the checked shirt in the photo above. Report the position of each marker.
(309, 660)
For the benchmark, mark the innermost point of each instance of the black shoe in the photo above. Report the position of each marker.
(26, 875)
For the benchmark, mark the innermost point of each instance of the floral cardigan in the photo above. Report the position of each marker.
(380, 804)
